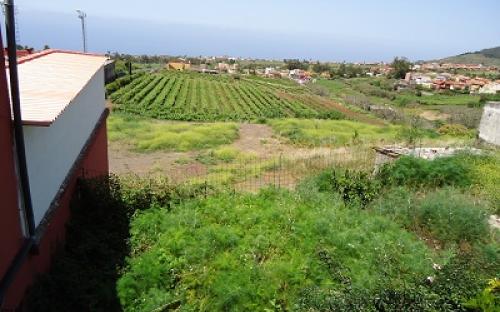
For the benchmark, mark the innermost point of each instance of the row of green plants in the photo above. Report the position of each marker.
(190, 96)
(121, 82)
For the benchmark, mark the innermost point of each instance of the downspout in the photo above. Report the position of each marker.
(29, 242)
(18, 123)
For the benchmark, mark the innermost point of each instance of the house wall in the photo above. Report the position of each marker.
(10, 227)
(489, 128)
(94, 162)
(51, 151)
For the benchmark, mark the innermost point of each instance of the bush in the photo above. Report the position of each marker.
(354, 187)
(486, 176)
(333, 115)
(445, 215)
(453, 129)
(84, 273)
(418, 172)
(457, 281)
(488, 299)
(258, 252)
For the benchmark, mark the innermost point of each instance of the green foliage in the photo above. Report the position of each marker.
(488, 300)
(400, 67)
(459, 279)
(486, 176)
(332, 115)
(321, 68)
(121, 82)
(84, 273)
(331, 132)
(292, 64)
(223, 154)
(454, 130)
(446, 215)
(193, 96)
(418, 172)
(354, 187)
(258, 252)
(147, 135)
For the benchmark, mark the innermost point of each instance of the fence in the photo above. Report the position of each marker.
(280, 170)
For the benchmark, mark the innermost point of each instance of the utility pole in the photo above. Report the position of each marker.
(82, 15)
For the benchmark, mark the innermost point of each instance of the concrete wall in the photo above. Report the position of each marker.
(489, 128)
(51, 151)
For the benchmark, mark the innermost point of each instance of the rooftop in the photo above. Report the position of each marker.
(50, 80)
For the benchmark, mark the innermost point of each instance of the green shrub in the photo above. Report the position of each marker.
(486, 176)
(488, 300)
(84, 273)
(354, 187)
(332, 115)
(258, 252)
(453, 129)
(451, 289)
(446, 215)
(418, 172)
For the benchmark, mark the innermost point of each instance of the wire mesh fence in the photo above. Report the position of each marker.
(249, 174)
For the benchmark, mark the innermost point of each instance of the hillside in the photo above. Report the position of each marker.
(489, 57)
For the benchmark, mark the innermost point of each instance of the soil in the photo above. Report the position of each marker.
(433, 115)
(253, 138)
(256, 139)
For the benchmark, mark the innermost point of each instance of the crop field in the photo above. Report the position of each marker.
(194, 96)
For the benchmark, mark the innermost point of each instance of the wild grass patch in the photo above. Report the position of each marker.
(312, 132)
(146, 135)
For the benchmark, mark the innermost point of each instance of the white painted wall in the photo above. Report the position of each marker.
(51, 151)
(489, 129)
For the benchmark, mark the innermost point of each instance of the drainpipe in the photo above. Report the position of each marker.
(18, 124)
(29, 242)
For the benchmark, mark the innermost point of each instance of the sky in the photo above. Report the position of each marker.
(325, 30)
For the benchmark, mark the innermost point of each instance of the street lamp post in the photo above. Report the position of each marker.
(82, 15)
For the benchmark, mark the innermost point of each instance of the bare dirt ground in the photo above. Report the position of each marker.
(433, 115)
(256, 139)
(253, 138)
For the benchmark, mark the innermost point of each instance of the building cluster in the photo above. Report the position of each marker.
(184, 65)
(298, 75)
(447, 81)
(453, 66)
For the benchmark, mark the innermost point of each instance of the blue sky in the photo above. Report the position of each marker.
(356, 30)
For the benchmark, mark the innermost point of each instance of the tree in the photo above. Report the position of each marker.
(296, 64)
(321, 68)
(400, 67)
(46, 47)
(341, 71)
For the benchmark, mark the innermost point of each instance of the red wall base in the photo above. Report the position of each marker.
(94, 163)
